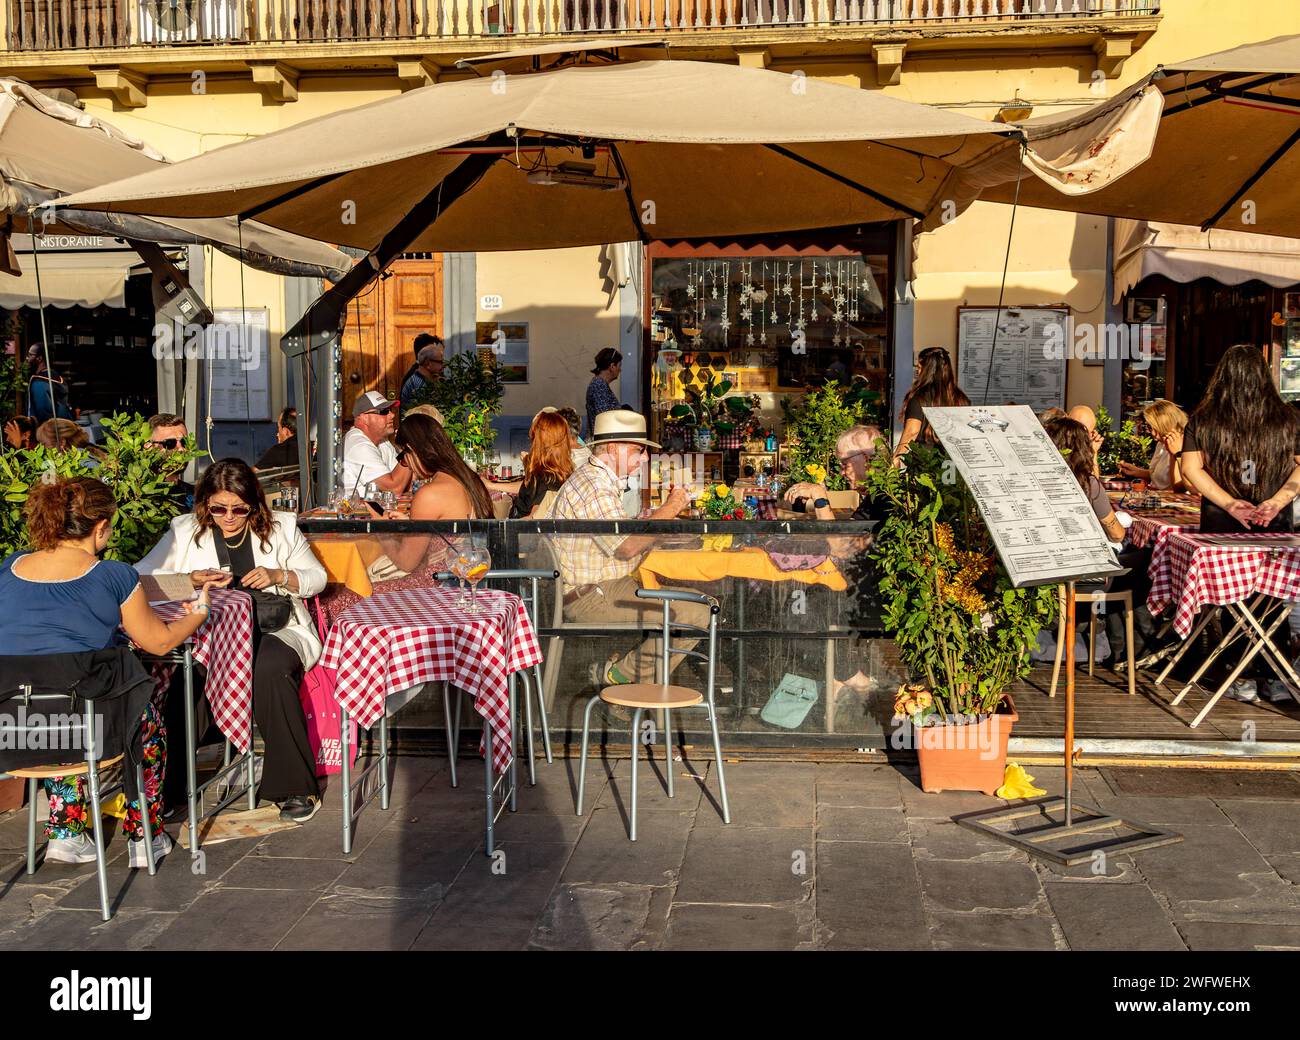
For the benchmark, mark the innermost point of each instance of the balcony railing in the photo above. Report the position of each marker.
(73, 24)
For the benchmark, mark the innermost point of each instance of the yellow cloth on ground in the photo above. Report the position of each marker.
(115, 806)
(1016, 783)
(706, 565)
(345, 559)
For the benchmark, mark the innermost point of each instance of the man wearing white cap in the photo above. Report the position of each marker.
(368, 455)
(599, 571)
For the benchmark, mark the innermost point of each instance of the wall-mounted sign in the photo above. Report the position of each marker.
(490, 302)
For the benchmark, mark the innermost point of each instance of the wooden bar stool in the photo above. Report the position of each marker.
(1125, 600)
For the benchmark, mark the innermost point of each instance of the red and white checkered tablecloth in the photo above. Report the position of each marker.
(224, 646)
(394, 640)
(1192, 575)
(1154, 528)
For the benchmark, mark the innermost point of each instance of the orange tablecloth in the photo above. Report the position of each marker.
(345, 558)
(704, 565)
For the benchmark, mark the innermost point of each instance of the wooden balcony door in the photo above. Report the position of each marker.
(382, 325)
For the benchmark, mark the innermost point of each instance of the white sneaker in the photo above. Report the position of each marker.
(1243, 690)
(1275, 690)
(138, 858)
(78, 849)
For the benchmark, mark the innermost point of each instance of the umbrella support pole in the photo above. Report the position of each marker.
(1055, 828)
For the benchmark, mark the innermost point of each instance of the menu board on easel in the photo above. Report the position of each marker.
(1042, 524)
(1007, 355)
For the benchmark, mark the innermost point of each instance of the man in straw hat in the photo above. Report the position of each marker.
(599, 571)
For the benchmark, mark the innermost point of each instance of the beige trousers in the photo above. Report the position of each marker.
(617, 601)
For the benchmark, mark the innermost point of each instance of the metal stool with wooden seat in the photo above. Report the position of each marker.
(67, 733)
(1125, 600)
(663, 696)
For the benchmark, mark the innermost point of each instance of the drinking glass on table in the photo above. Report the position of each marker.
(457, 561)
(480, 562)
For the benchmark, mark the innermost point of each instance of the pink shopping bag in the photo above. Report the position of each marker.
(323, 713)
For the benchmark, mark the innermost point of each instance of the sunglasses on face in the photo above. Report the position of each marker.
(232, 510)
(170, 443)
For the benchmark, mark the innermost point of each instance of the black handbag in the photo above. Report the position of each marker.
(271, 611)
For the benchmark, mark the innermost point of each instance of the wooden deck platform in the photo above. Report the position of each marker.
(1104, 709)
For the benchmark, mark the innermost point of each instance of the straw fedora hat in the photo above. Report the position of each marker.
(620, 425)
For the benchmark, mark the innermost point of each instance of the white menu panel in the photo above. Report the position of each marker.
(1040, 519)
(239, 364)
(1020, 367)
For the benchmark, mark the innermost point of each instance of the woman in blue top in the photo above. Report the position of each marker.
(63, 598)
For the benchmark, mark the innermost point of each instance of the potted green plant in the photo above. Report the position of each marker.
(469, 396)
(963, 631)
(1122, 445)
(711, 411)
(139, 475)
(813, 424)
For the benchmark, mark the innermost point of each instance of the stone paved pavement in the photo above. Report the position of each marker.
(818, 857)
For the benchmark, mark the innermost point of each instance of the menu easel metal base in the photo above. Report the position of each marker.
(1055, 839)
(1037, 841)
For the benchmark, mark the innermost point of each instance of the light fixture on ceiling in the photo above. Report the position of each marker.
(576, 175)
(1015, 110)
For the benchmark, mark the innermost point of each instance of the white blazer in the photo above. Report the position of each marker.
(181, 551)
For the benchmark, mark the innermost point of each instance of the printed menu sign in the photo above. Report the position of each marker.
(1042, 525)
(1024, 369)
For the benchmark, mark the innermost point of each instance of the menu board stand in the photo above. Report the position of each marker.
(1045, 532)
(1008, 355)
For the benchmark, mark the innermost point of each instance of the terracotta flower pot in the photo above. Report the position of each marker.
(965, 758)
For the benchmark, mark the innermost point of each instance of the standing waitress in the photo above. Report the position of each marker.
(1241, 452)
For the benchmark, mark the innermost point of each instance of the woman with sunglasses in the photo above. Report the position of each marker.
(267, 556)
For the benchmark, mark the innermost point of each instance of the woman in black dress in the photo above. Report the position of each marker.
(1241, 449)
(934, 386)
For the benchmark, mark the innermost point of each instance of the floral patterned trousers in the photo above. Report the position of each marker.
(69, 802)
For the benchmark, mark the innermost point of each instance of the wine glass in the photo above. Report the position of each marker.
(457, 564)
(480, 562)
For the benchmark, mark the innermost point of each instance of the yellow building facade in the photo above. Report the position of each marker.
(189, 76)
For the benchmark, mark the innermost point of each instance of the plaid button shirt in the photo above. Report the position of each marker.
(592, 492)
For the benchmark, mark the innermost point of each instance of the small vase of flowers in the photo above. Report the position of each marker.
(720, 503)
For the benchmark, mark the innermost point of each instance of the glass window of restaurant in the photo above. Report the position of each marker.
(770, 317)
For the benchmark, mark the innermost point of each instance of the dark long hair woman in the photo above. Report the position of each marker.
(451, 491)
(934, 386)
(1241, 448)
(269, 559)
(1074, 441)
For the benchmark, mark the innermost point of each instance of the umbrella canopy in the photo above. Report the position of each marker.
(48, 149)
(1213, 142)
(684, 148)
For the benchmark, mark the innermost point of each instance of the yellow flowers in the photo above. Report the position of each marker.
(971, 567)
(699, 502)
(722, 491)
(816, 472)
(911, 699)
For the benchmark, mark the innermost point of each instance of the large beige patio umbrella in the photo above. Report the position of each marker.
(1213, 143)
(49, 149)
(690, 149)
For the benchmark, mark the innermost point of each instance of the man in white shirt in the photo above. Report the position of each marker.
(368, 455)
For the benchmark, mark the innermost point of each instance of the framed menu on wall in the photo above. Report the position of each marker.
(1006, 356)
(1042, 525)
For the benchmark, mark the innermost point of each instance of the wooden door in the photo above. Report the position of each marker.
(383, 323)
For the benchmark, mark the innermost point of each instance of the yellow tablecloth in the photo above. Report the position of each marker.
(345, 558)
(701, 565)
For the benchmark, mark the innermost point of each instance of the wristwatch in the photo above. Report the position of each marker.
(821, 503)
(200, 607)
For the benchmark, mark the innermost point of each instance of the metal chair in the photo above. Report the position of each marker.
(533, 685)
(663, 696)
(66, 732)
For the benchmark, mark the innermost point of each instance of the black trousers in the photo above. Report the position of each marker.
(289, 766)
